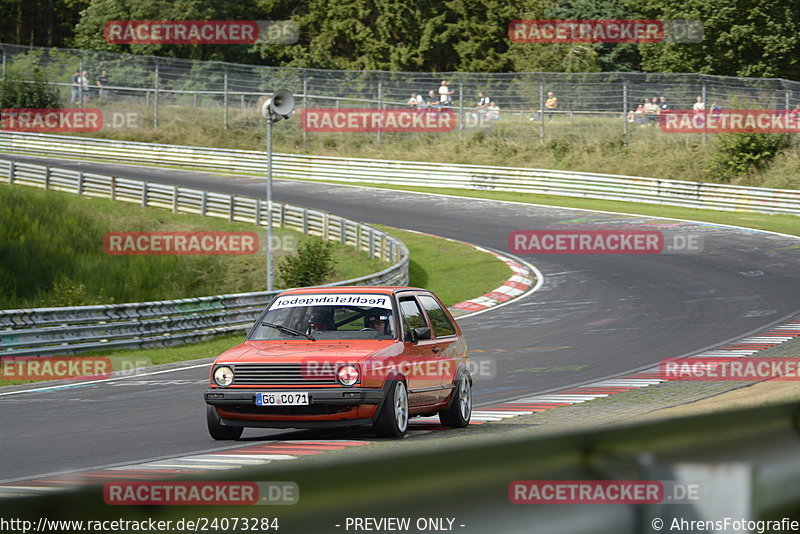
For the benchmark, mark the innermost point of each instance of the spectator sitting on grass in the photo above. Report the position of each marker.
(651, 109)
(493, 111)
(483, 102)
(433, 101)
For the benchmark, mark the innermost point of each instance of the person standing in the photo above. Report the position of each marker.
(551, 104)
(85, 85)
(76, 87)
(444, 94)
(102, 85)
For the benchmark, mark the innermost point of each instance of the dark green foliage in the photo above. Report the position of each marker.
(741, 153)
(313, 264)
(34, 94)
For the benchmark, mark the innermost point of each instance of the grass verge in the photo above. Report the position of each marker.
(454, 271)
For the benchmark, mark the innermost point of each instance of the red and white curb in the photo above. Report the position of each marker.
(521, 282)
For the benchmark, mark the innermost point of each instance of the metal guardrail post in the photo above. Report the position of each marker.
(144, 194)
(258, 212)
(11, 170)
(46, 178)
(79, 187)
(113, 188)
(174, 199)
(231, 207)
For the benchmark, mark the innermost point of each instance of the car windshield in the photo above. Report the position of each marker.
(327, 316)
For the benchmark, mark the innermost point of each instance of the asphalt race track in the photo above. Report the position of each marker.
(595, 316)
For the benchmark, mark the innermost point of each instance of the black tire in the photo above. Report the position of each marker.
(392, 420)
(219, 431)
(459, 412)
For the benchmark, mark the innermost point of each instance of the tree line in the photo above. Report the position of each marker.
(758, 38)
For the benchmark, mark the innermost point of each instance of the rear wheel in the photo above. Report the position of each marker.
(219, 431)
(392, 421)
(458, 414)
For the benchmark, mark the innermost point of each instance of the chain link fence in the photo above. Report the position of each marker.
(155, 83)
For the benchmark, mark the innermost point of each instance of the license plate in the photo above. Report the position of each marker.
(282, 398)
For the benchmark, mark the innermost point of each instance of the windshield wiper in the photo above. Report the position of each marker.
(290, 331)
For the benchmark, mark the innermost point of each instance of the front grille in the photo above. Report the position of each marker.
(280, 374)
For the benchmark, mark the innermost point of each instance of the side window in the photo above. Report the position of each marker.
(412, 316)
(442, 327)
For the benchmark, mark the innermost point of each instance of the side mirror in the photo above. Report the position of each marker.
(421, 333)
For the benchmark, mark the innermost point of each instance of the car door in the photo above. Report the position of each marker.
(445, 343)
(423, 385)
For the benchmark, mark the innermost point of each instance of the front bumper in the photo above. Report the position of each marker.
(335, 396)
(327, 408)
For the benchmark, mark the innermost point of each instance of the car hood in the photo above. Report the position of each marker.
(300, 351)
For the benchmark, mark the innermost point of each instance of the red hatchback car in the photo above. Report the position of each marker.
(345, 356)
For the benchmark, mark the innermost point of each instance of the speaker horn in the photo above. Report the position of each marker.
(278, 107)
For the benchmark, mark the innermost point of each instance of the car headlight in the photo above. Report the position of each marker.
(348, 375)
(223, 376)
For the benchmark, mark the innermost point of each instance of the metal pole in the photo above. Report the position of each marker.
(625, 111)
(787, 105)
(461, 108)
(4, 64)
(705, 115)
(155, 100)
(225, 101)
(80, 85)
(541, 112)
(305, 105)
(268, 247)
(380, 105)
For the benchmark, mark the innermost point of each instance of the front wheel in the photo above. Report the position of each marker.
(392, 421)
(458, 414)
(219, 431)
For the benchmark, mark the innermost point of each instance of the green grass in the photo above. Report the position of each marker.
(455, 272)
(52, 249)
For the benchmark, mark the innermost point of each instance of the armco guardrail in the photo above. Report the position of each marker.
(740, 465)
(443, 175)
(50, 331)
